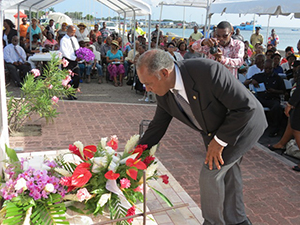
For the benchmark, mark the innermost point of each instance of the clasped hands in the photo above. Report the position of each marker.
(214, 155)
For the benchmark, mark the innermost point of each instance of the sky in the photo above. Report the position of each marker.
(175, 13)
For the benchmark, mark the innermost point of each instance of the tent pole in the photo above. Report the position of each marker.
(183, 22)
(18, 23)
(161, 8)
(268, 29)
(149, 35)
(206, 29)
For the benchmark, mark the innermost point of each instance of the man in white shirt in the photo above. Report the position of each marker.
(68, 47)
(15, 59)
(258, 66)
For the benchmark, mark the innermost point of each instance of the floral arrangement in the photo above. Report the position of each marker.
(85, 54)
(105, 178)
(32, 193)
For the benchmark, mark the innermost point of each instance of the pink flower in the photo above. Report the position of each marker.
(71, 73)
(83, 194)
(36, 72)
(59, 54)
(54, 100)
(139, 189)
(66, 81)
(130, 212)
(65, 62)
(113, 143)
(69, 86)
(125, 183)
(50, 86)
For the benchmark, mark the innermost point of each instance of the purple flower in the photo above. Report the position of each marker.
(85, 54)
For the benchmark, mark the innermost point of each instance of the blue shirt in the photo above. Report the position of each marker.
(37, 30)
(278, 70)
(111, 56)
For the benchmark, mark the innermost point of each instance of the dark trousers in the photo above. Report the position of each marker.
(73, 65)
(275, 110)
(15, 75)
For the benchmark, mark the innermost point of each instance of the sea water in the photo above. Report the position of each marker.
(287, 36)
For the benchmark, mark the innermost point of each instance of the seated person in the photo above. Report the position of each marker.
(15, 58)
(172, 50)
(104, 49)
(35, 44)
(50, 42)
(270, 97)
(114, 58)
(91, 65)
(269, 53)
(276, 63)
(258, 66)
(288, 51)
(191, 53)
(130, 57)
(288, 66)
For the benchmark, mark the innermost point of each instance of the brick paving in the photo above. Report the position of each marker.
(271, 188)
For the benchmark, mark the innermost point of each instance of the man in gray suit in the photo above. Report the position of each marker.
(226, 114)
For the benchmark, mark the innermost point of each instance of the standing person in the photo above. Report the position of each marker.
(9, 31)
(50, 28)
(35, 29)
(62, 32)
(138, 32)
(227, 51)
(104, 31)
(15, 58)
(82, 32)
(196, 35)
(23, 27)
(273, 39)
(154, 34)
(95, 31)
(68, 46)
(204, 95)
(256, 37)
(238, 35)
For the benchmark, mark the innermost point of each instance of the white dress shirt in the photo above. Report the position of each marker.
(10, 55)
(181, 90)
(252, 71)
(66, 47)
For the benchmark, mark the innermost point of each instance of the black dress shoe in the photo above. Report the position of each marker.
(246, 222)
(272, 148)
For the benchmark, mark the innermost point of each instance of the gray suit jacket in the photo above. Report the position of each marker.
(221, 105)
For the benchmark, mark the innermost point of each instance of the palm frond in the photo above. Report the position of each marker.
(117, 210)
(14, 215)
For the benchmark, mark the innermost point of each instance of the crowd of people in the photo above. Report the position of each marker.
(262, 69)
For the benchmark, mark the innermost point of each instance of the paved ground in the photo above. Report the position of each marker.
(271, 188)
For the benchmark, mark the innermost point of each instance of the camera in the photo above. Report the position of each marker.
(213, 49)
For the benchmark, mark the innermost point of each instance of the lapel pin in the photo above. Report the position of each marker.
(194, 97)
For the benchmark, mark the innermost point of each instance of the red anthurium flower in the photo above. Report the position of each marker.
(139, 149)
(75, 150)
(80, 176)
(148, 160)
(89, 151)
(165, 178)
(113, 143)
(67, 182)
(84, 165)
(130, 212)
(110, 175)
(136, 163)
(132, 172)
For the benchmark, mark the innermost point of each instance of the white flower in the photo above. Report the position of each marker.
(123, 161)
(151, 170)
(103, 142)
(21, 184)
(27, 216)
(36, 163)
(79, 145)
(49, 187)
(63, 172)
(131, 143)
(99, 162)
(109, 150)
(153, 150)
(104, 198)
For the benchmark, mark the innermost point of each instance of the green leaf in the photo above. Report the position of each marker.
(12, 155)
(75, 209)
(163, 197)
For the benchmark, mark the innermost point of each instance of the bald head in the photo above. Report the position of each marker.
(71, 31)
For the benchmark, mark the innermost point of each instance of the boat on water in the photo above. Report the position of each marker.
(247, 26)
(295, 29)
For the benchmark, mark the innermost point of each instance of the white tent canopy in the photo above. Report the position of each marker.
(261, 7)
(60, 18)
(35, 5)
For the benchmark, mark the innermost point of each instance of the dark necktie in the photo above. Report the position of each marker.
(15, 47)
(73, 45)
(186, 108)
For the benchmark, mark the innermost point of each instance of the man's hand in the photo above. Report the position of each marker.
(255, 83)
(210, 42)
(214, 155)
(218, 55)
